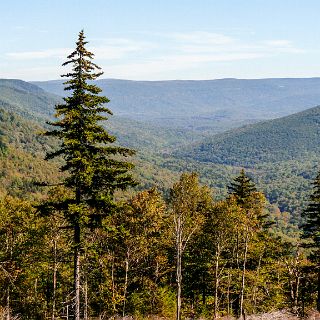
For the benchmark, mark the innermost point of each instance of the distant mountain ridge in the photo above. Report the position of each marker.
(205, 105)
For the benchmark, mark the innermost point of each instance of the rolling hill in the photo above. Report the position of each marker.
(288, 138)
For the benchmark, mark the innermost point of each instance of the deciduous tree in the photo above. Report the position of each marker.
(189, 201)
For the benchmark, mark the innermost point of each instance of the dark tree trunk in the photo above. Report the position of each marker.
(318, 298)
(54, 279)
(179, 266)
(243, 273)
(8, 304)
(216, 275)
(125, 284)
(77, 271)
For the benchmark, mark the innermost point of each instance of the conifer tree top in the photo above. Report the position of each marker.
(242, 187)
(92, 163)
(311, 226)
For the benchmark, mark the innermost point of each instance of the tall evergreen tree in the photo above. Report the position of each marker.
(311, 229)
(93, 166)
(242, 188)
(245, 193)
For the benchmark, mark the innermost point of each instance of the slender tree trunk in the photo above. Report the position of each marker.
(294, 282)
(179, 266)
(255, 288)
(243, 273)
(229, 307)
(291, 289)
(76, 268)
(296, 294)
(77, 271)
(179, 279)
(86, 302)
(36, 289)
(113, 286)
(203, 288)
(8, 303)
(125, 284)
(216, 275)
(54, 279)
(237, 251)
(318, 289)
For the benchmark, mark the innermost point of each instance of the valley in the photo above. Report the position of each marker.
(281, 155)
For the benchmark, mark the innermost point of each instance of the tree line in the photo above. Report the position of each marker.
(87, 251)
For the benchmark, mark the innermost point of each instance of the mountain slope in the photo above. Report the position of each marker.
(22, 162)
(26, 99)
(282, 139)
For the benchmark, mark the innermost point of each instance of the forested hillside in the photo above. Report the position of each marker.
(289, 138)
(22, 157)
(26, 99)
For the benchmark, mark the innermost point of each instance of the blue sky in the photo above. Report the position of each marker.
(163, 39)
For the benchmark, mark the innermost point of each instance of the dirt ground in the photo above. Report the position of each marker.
(275, 315)
(281, 315)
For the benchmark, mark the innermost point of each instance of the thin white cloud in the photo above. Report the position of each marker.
(278, 43)
(172, 63)
(20, 28)
(205, 42)
(200, 37)
(111, 49)
(281, 46)
(41, 54)
(120, 48)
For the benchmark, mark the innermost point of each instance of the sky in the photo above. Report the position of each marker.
(163, 39)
